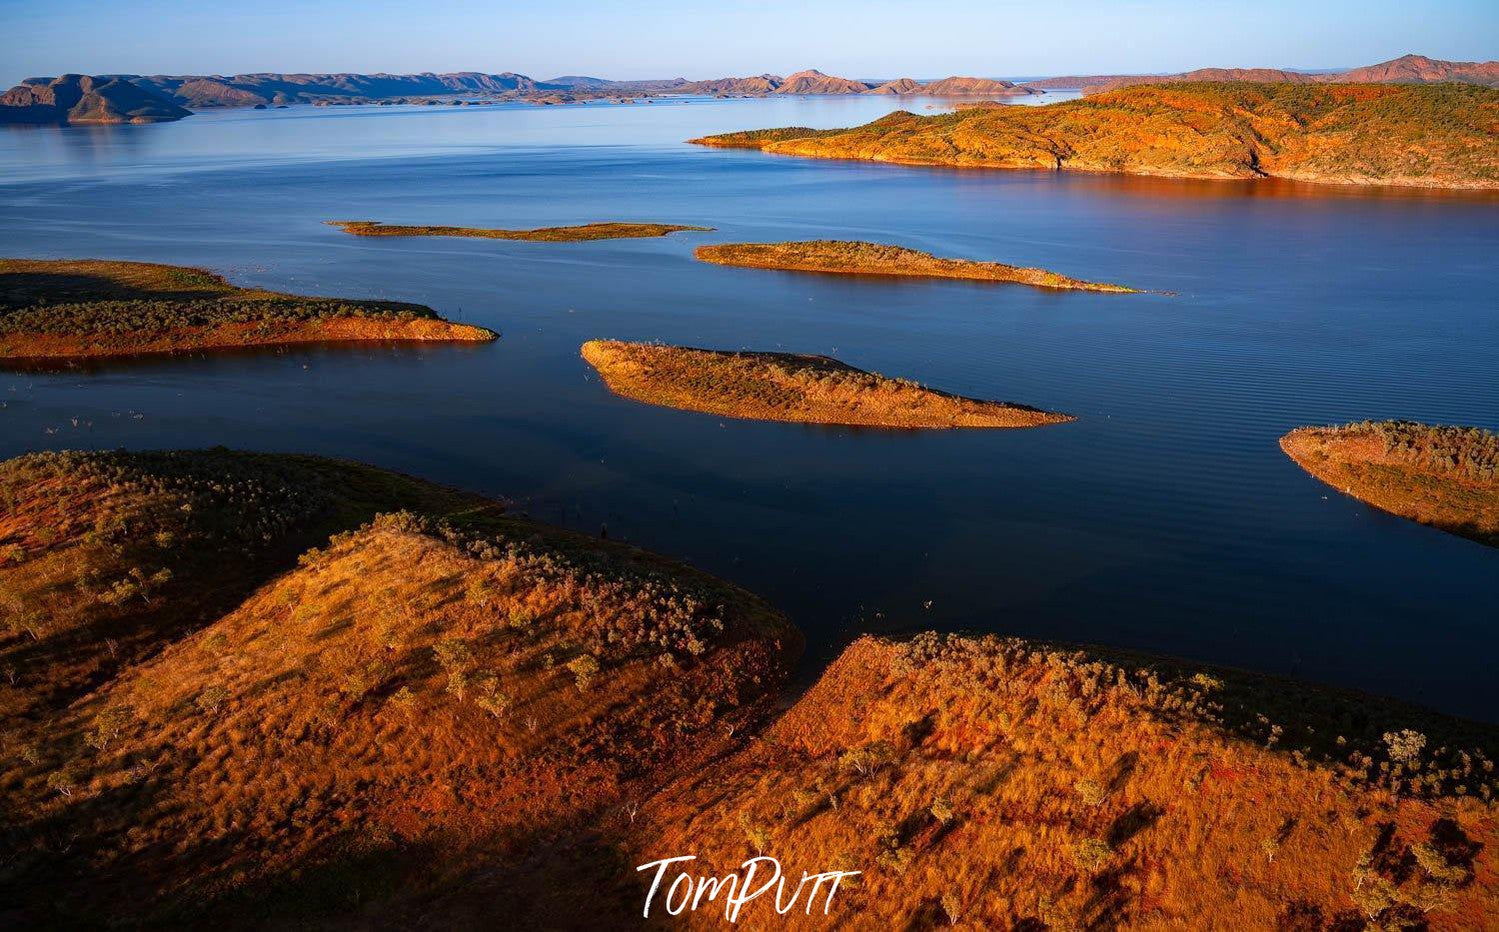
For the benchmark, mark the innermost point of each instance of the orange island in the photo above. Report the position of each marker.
(73, 309)
(572, 234)
(791, 387)
(1436, 135)
(852, 257)
(1446, 477)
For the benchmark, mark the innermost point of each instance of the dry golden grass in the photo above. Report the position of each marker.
(51, 309)
(859, 258)
(1446, 477)
(420, 700)
(789, 387)
(1439, 135)
(572, 234)
(996, 784)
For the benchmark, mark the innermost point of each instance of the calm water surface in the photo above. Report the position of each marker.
(1164, 519)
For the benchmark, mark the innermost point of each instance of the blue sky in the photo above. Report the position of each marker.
(713, 38)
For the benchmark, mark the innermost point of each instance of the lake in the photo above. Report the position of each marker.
(1164, 519)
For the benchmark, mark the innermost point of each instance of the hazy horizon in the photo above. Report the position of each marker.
(671, 38)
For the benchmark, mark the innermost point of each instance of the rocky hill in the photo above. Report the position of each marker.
(1407, 69)
(79, 98)
(976, 87)
(1435, 135)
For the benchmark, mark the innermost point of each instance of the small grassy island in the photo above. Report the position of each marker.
(790, 387)
(845, 257)
(573, 234)
(1436, 135)
(72, 309)
(1446, 477)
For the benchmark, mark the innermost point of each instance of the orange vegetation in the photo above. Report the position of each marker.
(1439, 135)
(95, 308)
(996, 784)
(1447, 477)
(580, 233)
(789, 387)
(428, 695)
(860, 258)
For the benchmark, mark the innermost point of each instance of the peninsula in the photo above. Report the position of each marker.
(66, 309)
(569, 234)
(790, 387)
(1435, 135)
(1445, 477)
(841, 257)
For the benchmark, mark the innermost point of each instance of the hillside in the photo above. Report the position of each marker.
(1436, 135)
(813, 81)
(976, 87)
(985, 783)
(1446, 477)
(78, 98)
(73, 309)
(412, 702)
(1407, 69)
(274, 88)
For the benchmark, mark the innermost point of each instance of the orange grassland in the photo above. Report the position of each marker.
(1438, 135)
(426, 696)
(981, 783)
(790, 387)
(67, 309)
(1445, 477)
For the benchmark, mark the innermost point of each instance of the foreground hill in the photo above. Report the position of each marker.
(1407, 69)
(1447, 477)
(80, 98)
(997, 784)
(1439, 136)
(74, 309)
(429, 694)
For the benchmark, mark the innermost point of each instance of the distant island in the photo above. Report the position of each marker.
(860, 258)
(789, 387)
(67, 309)
(78, 98)
(1417, 135)
(1407, 69)
(115, 98)
(1445, 477)
(569, 234)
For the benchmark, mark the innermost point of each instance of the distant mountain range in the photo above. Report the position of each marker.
(1407, 69)
(153, 98)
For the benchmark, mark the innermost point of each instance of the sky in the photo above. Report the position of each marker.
(698, 39)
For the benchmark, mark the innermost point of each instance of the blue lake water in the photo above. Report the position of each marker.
(1165, 519)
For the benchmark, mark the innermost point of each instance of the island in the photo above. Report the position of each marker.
(85, 99)
(846, 257)
(1432, 135)
(789, 387)
(1445, 477)
(89, 308)
(569, 234)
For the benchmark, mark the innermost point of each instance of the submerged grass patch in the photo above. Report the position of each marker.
(790, 387)
(853, 257)
(568, 234)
